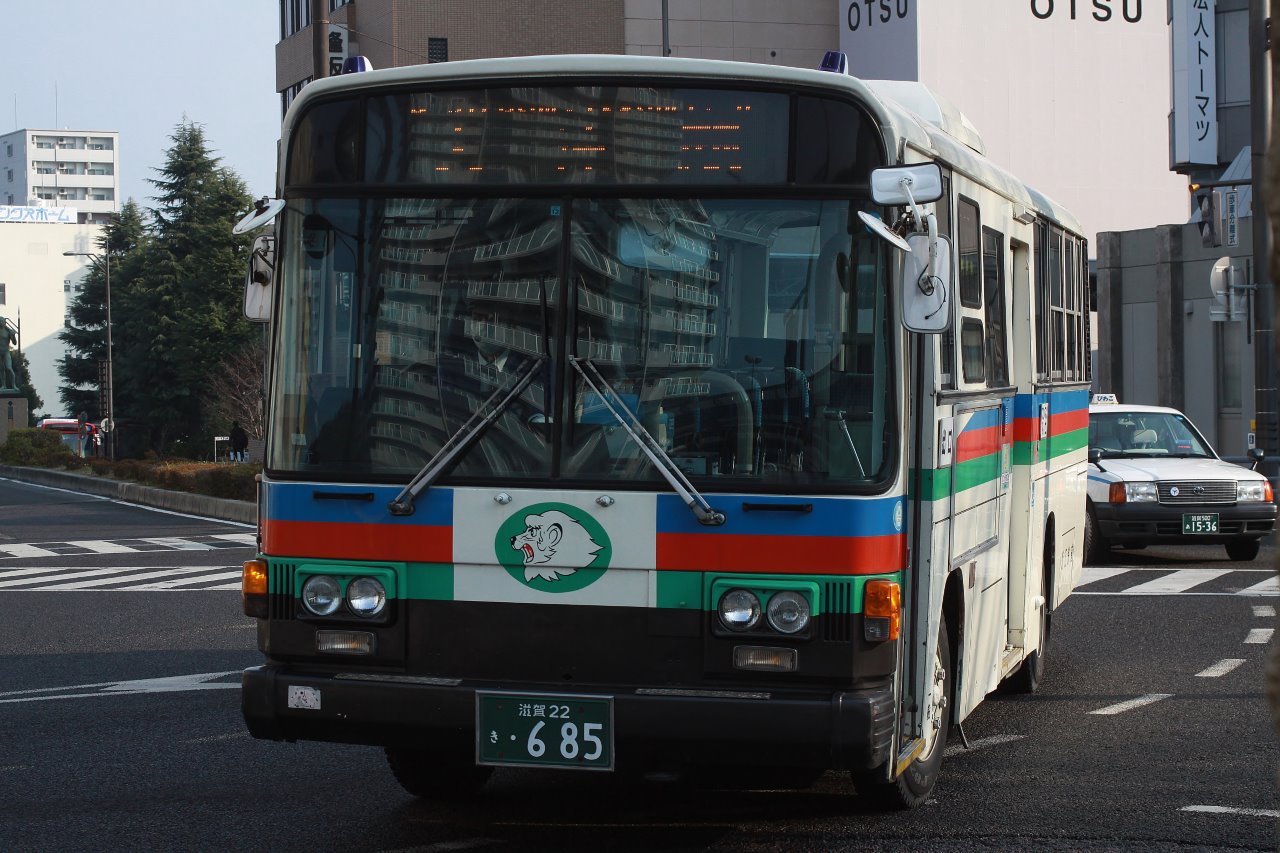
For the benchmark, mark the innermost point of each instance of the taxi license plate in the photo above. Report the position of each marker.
(1204, 522)
(544, 730)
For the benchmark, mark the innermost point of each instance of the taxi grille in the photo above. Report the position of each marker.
(1198, 492)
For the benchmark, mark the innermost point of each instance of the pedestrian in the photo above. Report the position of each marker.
(239, 442)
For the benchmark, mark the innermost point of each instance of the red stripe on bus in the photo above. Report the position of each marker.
(1028, 429)
(841, 555)
(977, 443)
(398, 542)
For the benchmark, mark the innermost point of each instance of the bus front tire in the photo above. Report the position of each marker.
(913, 787)
(435, 776)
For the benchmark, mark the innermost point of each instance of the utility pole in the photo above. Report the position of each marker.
(1266, 401)
(319, 39)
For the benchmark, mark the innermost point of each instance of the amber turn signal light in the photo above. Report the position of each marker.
(882, 611)
(253, 588)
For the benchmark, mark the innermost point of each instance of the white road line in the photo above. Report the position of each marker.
(218, 738)
(169, 684)
(242, 538)
(1179, 581)
(233, 586)
(25, 576)
(1270, 586)
(224, 573)
(160, 573)
(1092, 574)
(1259, 636)
(178, 543)
(100, 546)
(27, 551)
(1230, 810)
(1121, 707)
(1220, 668)
(1262, 611)
(980, 743)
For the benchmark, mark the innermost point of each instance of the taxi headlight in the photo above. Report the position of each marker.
(321, 595)
(788, 612)
(739, 609)
(1139, 492)
(366, 597)
(1251, 490)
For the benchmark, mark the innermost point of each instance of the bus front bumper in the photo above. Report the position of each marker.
(845, 729)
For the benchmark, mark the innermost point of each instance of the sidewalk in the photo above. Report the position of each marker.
(136, 493)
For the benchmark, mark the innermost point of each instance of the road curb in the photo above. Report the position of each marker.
(136, 493)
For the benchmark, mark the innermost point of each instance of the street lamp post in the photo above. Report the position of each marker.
(111, 382)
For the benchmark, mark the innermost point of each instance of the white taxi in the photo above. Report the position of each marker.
(1154, 480)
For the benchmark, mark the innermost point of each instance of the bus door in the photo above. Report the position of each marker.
(981, 472)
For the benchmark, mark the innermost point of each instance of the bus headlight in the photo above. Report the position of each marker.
(321, 595)
(366, 597)
(788, 612)
(739, 609)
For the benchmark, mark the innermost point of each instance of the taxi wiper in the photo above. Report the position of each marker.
(461, 440)
(647, 443)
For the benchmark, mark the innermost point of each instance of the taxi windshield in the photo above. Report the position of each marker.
(1146, 434)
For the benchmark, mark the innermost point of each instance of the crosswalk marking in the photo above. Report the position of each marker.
(150, 544)
(1270, 586)
(166, 572)
(223, 574)
(1179, 581)
(1122, 580)
(27, 551)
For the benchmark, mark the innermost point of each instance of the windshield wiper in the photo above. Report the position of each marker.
(647, 443)
(461, 440)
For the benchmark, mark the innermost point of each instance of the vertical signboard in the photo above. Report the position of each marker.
(880, 38)
(1194, 116)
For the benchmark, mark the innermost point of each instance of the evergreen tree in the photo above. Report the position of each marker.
(85, 337)
(184, 306)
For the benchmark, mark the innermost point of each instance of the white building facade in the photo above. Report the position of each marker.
(38, 284)
(62, 168)
(58, 188)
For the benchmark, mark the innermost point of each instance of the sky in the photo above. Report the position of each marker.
(142, 67)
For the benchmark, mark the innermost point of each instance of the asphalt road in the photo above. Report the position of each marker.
(120, 726)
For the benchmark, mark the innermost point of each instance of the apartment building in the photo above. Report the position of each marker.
(77, 169)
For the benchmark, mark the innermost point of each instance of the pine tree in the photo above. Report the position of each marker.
(184, 306)
(85, 337)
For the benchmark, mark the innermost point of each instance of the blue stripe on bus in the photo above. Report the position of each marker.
(297, 502)
(983, 419)
(829, 516)
(1028, 405)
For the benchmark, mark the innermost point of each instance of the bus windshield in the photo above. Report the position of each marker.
(748, 334)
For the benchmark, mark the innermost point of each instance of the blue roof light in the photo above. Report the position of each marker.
(356, 64)
(836, 62)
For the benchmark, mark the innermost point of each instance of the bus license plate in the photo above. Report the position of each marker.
(544, 730)
(1206, 522)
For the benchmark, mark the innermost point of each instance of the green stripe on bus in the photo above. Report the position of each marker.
(1052, 447)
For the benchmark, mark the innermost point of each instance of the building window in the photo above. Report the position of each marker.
(1, 292)
(437, 50)
(295, 16)
(8, 173)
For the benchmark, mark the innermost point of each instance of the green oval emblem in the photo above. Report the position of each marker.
(553, 547)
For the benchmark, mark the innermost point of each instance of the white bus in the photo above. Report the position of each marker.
(656, 413)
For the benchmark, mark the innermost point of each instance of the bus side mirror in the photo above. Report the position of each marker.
(926, 284)
(259, 279)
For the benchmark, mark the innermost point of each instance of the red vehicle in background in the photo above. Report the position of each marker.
(84, 439)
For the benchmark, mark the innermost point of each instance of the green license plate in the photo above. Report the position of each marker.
(544, 730)
(1205, 522)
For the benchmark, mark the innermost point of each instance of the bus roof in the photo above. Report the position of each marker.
(902, 126)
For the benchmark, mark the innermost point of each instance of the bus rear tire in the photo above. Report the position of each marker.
(912, 788)
(436, 776)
